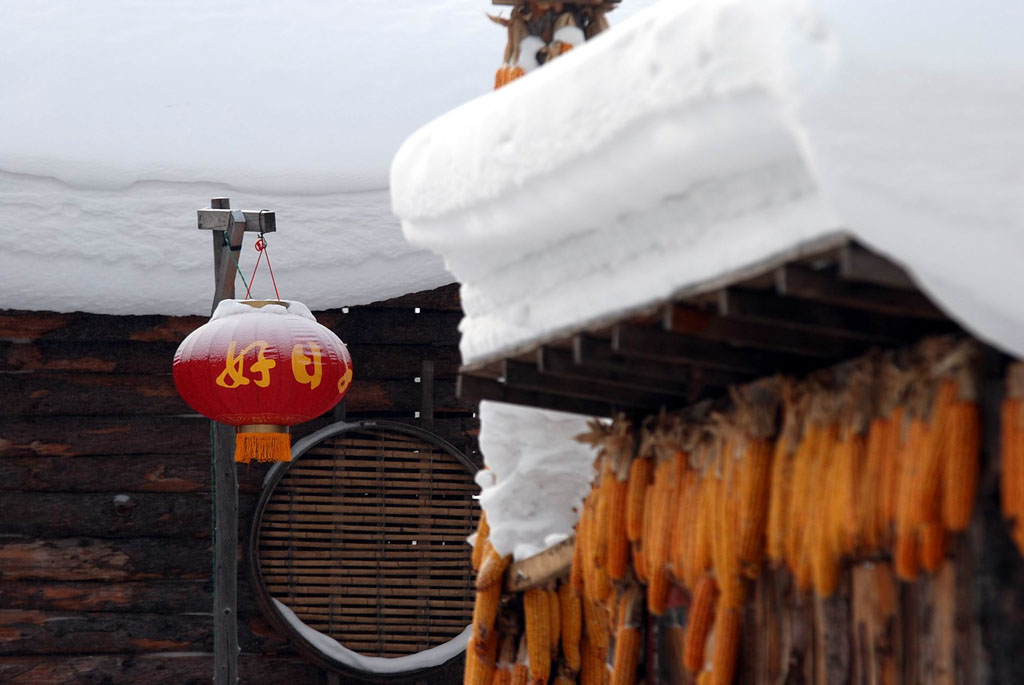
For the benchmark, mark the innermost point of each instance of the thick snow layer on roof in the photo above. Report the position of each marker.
(119, 120)
(702, 137)
(536, 476)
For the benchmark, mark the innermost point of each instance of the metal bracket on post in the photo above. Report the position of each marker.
(228, 227)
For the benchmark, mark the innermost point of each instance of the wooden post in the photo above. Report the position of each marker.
(225, 535)
(427, 388)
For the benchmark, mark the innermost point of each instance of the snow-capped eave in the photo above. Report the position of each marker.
(800, 252)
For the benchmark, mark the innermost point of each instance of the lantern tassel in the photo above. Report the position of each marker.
(262, 445)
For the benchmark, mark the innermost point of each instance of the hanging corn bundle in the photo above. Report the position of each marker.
(538, 32)
(878, 457)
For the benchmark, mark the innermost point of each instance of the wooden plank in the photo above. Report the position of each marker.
(802, 282)
(179, 436)
(556, 362)
(822, 317)
(760, 336)
(84, 558)
(66, 632)
(548, 565)
(173, 515)
(141, 596)
(596, 352)
(373, 362)
(652, 343)
(122, 474)
(525, 376)
(472, 389)
(359, 326)
(859, 264)
(102, 394)
(427, 394)
(388, 326)
(219, 219)
(151, 669)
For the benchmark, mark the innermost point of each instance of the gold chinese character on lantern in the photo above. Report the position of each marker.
(233, 375)
(301, 364)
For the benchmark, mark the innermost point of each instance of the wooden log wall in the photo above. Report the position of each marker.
(105, 510)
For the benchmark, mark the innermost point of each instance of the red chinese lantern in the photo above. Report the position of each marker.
(262, 366)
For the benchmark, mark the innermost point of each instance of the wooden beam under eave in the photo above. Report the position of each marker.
(473, 389)
(761, 336)
(801, 282)
(597, 352)
(654, 343)
(820, 317)
(556, 362)
(525, 376)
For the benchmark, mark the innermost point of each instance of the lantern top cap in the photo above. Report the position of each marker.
(228, 308)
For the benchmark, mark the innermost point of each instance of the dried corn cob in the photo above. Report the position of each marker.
(726, 647)
(683, 521)
(627, 654)
(593, 669)
(894, 470)
(536, 610)
(480, 659)
(933, 546)
(597, 625)
(908, 516)
(778, 501)
(571, 614)
(962, 463)
(850, 462)
(640, 472)
(483, 533)
(656, 535)
(754, 481)
(502, 675)
(802, 495)
(702, 614)
(627, 638)
(822, 536)
(555, 620)
(705, 530)
(639, 562)
(692, 565)
(488, 594)
(871, 511)
(618, 542)
(926, 492)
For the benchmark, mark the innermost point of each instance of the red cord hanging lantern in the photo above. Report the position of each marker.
(262, 366)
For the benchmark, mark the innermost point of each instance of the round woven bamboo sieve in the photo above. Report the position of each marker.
(362, 535)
